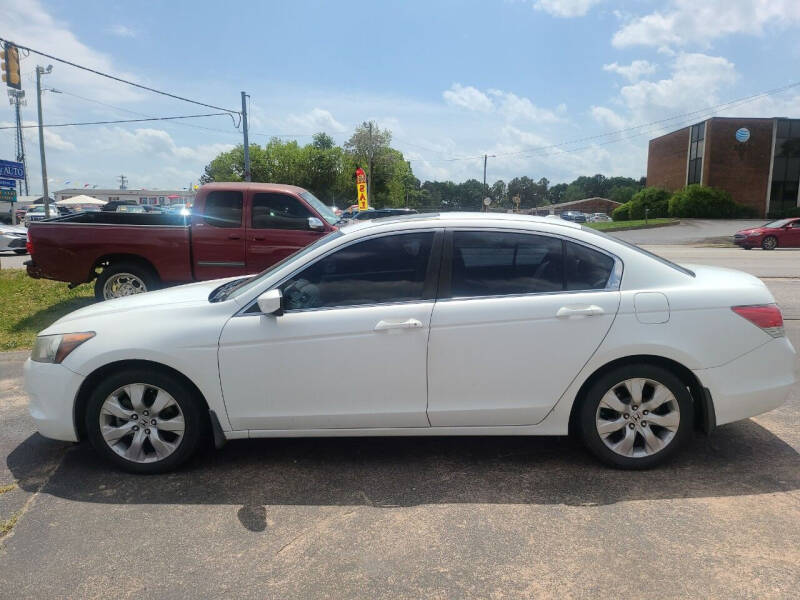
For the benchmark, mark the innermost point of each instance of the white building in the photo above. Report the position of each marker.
(150, 197)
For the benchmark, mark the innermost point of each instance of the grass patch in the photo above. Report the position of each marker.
(7, 488)
(8, 524)
(29, 305)
(635, 224)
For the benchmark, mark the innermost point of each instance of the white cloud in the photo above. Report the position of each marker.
(467, 97)
(515, 107)
(123, 31)
(317, 119)
(692, 22)
(608, 118)
(696, 81)
(636, 70)
(33, 26)
(507, 104)
(565, 8)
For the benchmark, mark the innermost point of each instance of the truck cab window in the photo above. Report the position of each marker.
(278, 211)
(223, 209)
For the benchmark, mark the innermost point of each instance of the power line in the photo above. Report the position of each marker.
(123, 121)
(121, 80)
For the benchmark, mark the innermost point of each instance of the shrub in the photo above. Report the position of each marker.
(700, 201)
(622, 212)
(793, 211)
(654, 199)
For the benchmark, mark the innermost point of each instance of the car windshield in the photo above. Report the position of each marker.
(778, 224)
(320, 207)
(237, 287)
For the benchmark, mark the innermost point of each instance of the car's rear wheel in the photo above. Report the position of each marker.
(636, 417)
(124, 279)
(769, 243)
(144, 421)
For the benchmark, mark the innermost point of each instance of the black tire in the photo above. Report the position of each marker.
(588, 410)
(144, 274)
(769, 243)
(21, 251)
(194, 415)
(747, 247)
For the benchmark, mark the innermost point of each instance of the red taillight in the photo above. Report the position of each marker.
(766, 316)
(29, 245)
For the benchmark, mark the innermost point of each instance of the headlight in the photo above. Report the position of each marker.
(754, 234)
(55, 348)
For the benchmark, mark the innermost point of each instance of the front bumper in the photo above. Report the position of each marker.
(754, 383)
(52, 390)
(746, 240)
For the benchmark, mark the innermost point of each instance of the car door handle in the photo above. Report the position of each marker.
(258, 239)
(579, 311)
(234, 237)
(384, 325)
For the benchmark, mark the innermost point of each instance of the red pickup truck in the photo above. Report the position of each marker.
(234, 229)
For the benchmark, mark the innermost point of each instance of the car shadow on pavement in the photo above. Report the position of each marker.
(739, 459)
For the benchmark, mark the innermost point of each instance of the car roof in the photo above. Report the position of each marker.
(444, 219)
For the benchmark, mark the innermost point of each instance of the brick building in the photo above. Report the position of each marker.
(756, 160)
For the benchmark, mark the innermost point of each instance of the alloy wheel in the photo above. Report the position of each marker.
(123, 284)
(637, 417)
(142, 423)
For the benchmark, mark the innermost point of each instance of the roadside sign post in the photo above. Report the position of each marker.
(361, 187)
(10, 172)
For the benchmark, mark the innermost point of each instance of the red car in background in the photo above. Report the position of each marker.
(783, 233)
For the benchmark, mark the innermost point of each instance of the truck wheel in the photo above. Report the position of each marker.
(124, 279)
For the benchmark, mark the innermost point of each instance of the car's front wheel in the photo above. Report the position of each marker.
(144, 421)
(635, 417)
(769, 243)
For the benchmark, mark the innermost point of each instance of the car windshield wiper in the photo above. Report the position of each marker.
(221, 292)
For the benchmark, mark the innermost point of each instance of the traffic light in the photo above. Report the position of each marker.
(10, 66)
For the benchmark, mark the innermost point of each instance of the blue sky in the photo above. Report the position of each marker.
(451, 79)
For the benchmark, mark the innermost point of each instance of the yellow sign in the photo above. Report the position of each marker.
(361, 187)
(363, 204)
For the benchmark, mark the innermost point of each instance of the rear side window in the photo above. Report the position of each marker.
(489, 263)
(587, 269)
(223, 209)
(278, 211)
(379, 270)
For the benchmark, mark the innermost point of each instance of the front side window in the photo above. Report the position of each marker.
(223, 209)
(489, 263)
(379, 270)
(278, 211)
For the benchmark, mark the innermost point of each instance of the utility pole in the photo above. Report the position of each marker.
(247, 175)
(369, 166)
(485, 159)
(45, 192)
(123, 182)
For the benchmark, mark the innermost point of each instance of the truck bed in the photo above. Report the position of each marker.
(69, 248)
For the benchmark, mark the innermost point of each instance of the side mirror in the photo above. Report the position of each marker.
(315, 224)
(271, 302)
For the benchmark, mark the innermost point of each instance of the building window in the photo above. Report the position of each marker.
(785, 167)
(696, 148)
(113, 198)
(142, 200)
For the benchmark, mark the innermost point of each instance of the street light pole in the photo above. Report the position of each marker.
(45, 192)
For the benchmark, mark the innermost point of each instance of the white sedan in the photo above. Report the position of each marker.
(459, 324)
(13, 238)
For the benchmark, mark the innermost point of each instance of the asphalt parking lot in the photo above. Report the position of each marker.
(406, 517)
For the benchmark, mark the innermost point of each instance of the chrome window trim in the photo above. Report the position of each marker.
(612, 285)
(243, 312)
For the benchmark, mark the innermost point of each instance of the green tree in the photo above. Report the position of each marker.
(370, 145)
